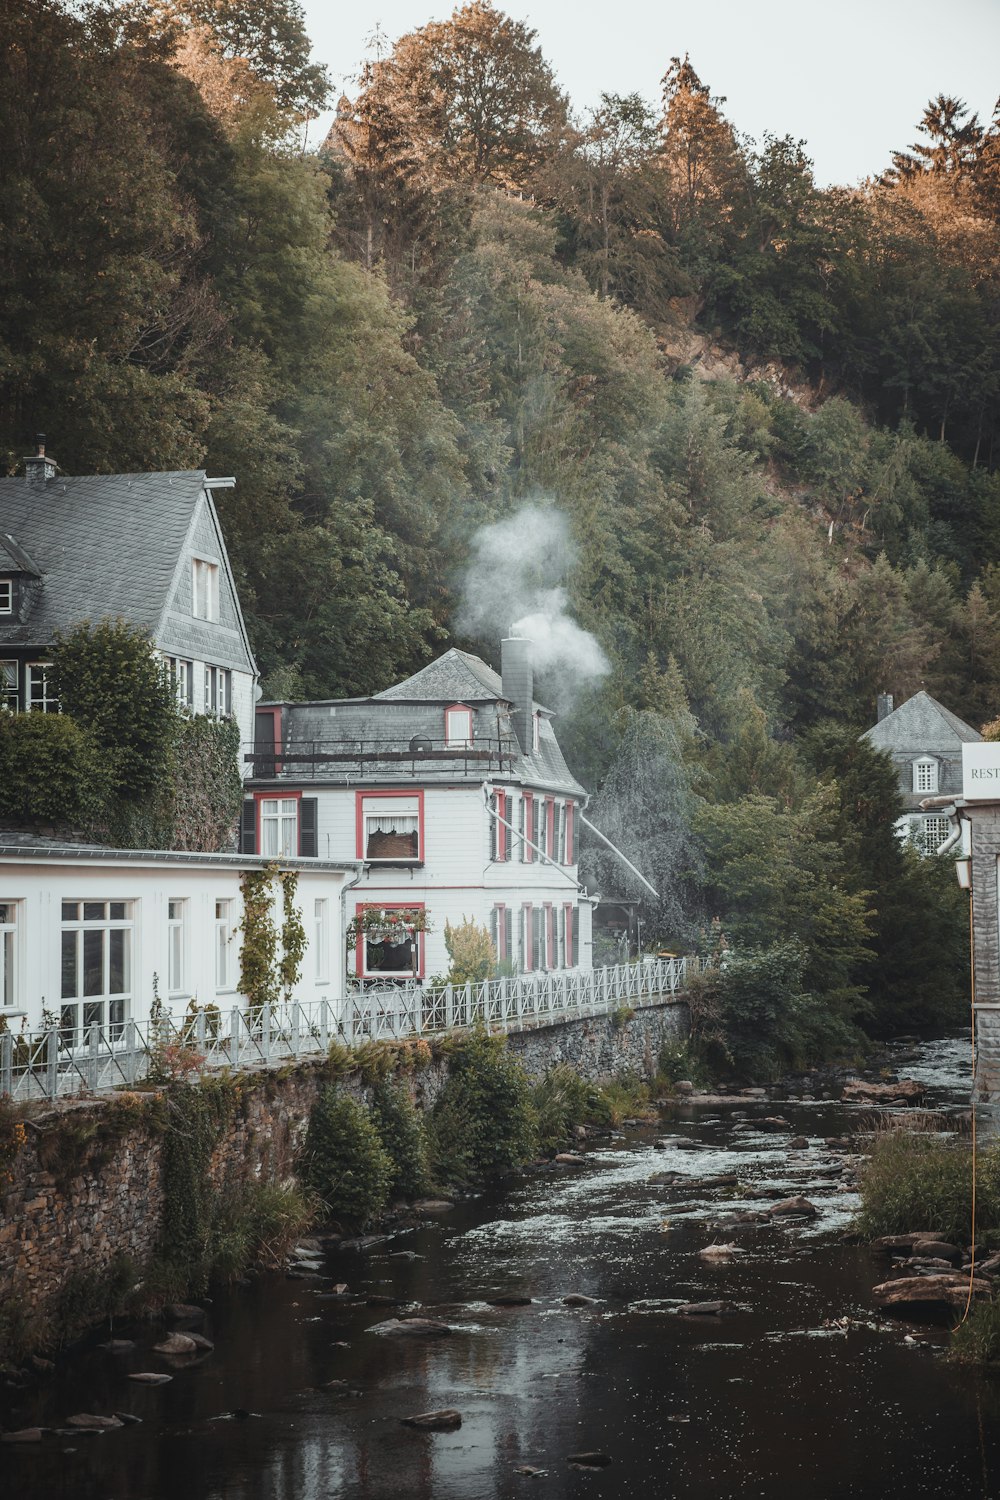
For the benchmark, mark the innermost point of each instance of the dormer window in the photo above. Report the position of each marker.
(205, 589)
(6, 596)
(925, 774)
(458, 727)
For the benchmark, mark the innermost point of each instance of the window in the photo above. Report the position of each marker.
(205, 581)
(223, 938)
(930, 833)
(321, 939)
(40, 696)
(175, 946)
(500, 932)
(181, 674)
(458, 727)
(547, 832)
(572, 926)
(219, 692)
(389, 944)
(527, 828)
(925, 774)
(8, 685)
(8, 953)
(279, 826)
(525, 939)
(6, 597)
(96, 939)
(390, 828)
(538, 935)
(499, 831)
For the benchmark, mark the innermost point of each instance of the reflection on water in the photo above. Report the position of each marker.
(802, 1391)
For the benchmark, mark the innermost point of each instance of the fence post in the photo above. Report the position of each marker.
(234, 1036)
(265, 1032)
(324, 1025)
(6, 1064)
(130, 1060)
(295, 1028)
(51, 1063)
(199, 1029)
(93, 1047)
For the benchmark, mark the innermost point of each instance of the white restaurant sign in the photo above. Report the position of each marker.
(981, 772)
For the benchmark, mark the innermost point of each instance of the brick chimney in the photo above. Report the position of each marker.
(37, 468)
(884, 706)
(519, 687)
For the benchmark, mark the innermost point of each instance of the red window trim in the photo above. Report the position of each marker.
(502, 831)
(279, 795)
(359, 822)
(470, 738)
(359, 951)
(570, 832)
(503, 943)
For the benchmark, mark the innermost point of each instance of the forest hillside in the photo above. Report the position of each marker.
(728, 439)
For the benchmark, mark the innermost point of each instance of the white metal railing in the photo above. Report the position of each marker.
(51, 1064)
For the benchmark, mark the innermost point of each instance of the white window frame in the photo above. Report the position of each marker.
(181, 673)
(416, 966)
(43, 702)
(6, 596)
(205, 588)
(177, 910)
(77, 1011)
(9, 680)
(927, 842)
(218, 692)
(458, 727)
(11, 925)
(224, 981)
(925, 775)
(321, 939)
(279, 816)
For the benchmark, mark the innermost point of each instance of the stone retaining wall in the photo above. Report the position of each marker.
(102, 1196)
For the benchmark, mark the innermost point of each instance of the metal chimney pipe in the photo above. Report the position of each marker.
(519, 687)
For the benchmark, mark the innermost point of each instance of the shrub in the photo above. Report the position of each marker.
(914, 1182)
(561, 1099)
(401, 1128)
(255, 1224)
(52, 771)
(344, 1162)
(483, 1124)
(470, 948)
(977, 1340)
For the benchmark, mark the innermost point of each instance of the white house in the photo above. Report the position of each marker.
(452, 790)
(145, 548)
(89, 935)
(925, 741)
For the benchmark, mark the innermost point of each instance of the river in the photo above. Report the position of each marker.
(780, 1398)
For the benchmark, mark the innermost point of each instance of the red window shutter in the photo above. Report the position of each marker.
(529, 826)
(570, 833)
(550, 827)
(550, 936)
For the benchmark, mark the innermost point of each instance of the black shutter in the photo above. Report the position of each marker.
(248, 828)
(308, 828)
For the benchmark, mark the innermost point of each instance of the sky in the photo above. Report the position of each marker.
(850, 79)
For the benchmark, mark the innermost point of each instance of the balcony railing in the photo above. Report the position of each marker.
(43, 1065)
(408, 756)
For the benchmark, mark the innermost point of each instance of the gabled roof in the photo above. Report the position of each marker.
(453, 678)
(921, 723)
(105, 544)
(13, 559)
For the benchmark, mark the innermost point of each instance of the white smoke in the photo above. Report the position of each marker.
(508, 588)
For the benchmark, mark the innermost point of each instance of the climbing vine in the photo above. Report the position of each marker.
(293, 934)
(259, 978)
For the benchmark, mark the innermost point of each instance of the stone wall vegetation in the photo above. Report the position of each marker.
(124, 1202)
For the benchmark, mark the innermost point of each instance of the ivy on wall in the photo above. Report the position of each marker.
(270, 957)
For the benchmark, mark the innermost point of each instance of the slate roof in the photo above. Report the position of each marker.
(21, 846)
(105, 544)
(921, 724)
(360, 727)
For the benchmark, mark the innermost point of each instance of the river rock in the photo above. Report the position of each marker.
(432, 1205)
(939, 1249)
(705, 1309)
(720, 1252)
(511, 1300)
(664, 1178)
(445, 1420)
(183, 1312)
(22, 1435)
(905, 1091)
(150, 1377)
(794, 1207)
(382, 1299)
(570, 1159)
(127, 1419)
(925, 1294)
(589, 1460)
(798, 1143)
(773, 1123)
(201, 1342)
(903, 1243)
(176, 1343)
(412, 1328)
(577, 1299)
(88, 1421)
(117, 1346)
(684, 1086)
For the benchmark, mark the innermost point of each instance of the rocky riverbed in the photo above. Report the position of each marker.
(678, 1310)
